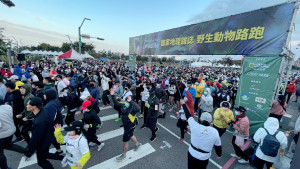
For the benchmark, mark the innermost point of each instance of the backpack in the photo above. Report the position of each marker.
(271, 145)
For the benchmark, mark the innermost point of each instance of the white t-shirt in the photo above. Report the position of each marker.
(76, 148)
(61, 85)
(204, 138)
(35, 78)
(126, 93)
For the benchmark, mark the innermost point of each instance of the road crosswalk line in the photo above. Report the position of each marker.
(103, 118)
(131, 156)
(102, 137)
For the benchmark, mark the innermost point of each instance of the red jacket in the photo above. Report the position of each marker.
(8, 73)
(190, 103)
(291, 88)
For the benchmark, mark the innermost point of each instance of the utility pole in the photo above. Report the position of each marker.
(79, 34)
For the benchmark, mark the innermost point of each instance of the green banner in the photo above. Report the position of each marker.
(256, 88)
(132, 62)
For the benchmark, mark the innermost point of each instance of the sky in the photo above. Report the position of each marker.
(49, 21)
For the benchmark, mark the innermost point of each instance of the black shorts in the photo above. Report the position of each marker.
(151, 123)
(172, 95)
(128, 133)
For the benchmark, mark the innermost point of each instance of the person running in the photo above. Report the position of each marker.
(41, 133)
(162, 96)
(144, 109)
(26, 115)
(129, 110)
(7, 130)
(152, 105)
(172, 91)
(73, 102)
(16, 101)
(77, 148)
(91, 123)
(182, 120)
(203, 139)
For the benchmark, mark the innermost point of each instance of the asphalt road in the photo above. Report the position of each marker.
(152, 155)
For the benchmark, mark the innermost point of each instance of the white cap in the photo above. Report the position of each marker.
(206, 117)
(85, 94)
(13, 77)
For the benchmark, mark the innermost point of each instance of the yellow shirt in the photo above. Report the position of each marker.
(218, 120)
(199, 90)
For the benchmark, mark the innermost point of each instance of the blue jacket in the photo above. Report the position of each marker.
(53, 107)
(27, 73)
(18, 71)
(72, 82)
(95, 93)
(192, 91)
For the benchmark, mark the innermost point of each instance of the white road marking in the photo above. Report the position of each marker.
(212, 161)
(111, 134)
(173, 117)
(131, 156)
(103, 118)
(104, 108)
(102, 137)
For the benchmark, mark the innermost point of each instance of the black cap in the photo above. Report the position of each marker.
(241, 109)
(225, 104)
(189, 82)
(59, 76)
(75, 125)
(36, 101)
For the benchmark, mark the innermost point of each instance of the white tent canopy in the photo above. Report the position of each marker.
(86, 55)
(26, 51)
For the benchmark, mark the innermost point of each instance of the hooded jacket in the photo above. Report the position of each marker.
(28, 114)
(18, 71)
(207, 105)
(218, 121)
(53, 106)
(133, 109)
(272, 125)
(7, 125)
(16, 101)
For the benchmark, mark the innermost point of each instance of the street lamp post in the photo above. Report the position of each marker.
(70, 41)
(80, 33)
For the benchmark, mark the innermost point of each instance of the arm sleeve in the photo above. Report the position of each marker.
(186, 111)
(59, 137)
(84, 159)
(97, 121)
(297, 125)
(116, 103)
(84, 149)
(257, 135)
(218, 150)
(217, 114)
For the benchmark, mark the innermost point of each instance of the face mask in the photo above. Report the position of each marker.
(148, 88)
(225, 108)
(92, 85)
(127, 104)
(237, 113)
(197, 83)
(205, 93)
(185, 99)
